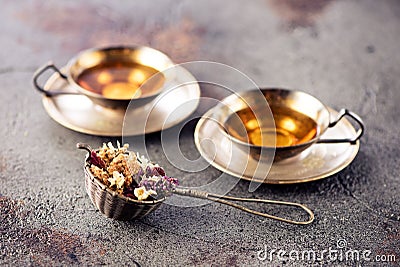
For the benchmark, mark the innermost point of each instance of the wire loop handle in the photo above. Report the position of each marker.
(43, 69)
(342, 113)
(225, 200)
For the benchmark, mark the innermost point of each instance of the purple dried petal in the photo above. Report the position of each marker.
(149, 171)
(140, 172)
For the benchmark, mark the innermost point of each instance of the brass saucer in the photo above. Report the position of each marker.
(79, 113)
(317, 162)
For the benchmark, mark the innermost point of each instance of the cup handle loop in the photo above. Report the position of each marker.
(228, 200)
(356, 118)
(42, 70)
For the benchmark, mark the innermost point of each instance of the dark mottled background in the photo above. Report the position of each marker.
(346, 52)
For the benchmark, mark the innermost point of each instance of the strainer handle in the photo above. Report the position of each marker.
(227, 200)
(41, 89)
(356, 118)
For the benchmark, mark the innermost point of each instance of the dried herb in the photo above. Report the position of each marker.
(129, 174)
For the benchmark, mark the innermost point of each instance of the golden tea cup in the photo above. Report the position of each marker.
(113, 77)
(279, 122)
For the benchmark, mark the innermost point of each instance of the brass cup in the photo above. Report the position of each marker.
(298, 101)
(91, 58)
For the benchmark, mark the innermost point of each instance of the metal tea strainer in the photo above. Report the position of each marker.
(120, 207)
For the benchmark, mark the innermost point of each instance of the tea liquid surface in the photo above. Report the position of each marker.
(291, 128)
(121, 81)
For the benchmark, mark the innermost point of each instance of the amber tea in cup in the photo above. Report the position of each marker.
(121, 80)
(289, 127)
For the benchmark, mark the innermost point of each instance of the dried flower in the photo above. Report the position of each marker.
(118, 180)
(133, 163)
(163, 185)
(142, 193)
(130, 174)
(143, 161)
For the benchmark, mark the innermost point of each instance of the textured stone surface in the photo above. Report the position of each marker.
(344, 52)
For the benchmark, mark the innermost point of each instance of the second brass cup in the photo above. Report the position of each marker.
(293, 122)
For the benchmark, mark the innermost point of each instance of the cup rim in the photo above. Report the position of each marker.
(253, 146)
(89, 93)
